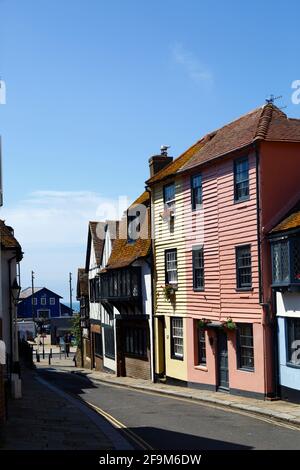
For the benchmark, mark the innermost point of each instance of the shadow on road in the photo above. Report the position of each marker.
(78, 383)
(163, 439)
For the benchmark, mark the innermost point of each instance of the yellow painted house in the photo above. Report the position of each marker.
(170, 308)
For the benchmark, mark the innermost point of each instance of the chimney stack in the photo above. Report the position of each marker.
(158, 162)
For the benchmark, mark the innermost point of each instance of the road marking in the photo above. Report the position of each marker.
(192, 401)
(117, 424)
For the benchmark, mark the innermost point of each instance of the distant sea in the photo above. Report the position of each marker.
(75, 305)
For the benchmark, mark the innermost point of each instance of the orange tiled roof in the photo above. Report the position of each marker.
(123, 253)
(264, 123)
(290, 222)
(8, 240)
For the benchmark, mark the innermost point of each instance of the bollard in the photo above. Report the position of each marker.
(49, 359)
(37, 357)
(51, 353)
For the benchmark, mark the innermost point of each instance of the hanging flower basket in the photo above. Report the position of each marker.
(229, 324)
(203, 322)
(169, 291)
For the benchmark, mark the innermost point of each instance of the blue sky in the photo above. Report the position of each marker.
(95, 87)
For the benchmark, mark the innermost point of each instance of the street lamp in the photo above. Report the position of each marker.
(15, 291)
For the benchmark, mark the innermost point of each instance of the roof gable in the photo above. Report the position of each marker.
(96, 232)
(26, 293)
(124, 253)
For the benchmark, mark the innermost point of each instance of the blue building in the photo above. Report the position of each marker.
(45, 305)
(285, 248)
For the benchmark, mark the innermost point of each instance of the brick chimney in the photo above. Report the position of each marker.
(158, 162)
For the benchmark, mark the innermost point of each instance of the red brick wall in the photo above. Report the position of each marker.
(137, 368)
(97, 362)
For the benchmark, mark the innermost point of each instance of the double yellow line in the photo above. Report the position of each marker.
(117, 424)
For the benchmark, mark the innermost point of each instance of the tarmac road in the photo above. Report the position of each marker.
(166, 423)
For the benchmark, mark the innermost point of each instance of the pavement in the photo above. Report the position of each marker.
(47, 419)
(276, 410)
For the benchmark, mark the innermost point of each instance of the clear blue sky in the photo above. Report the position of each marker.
(95, 87)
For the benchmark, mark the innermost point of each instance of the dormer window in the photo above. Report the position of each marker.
(133, 227)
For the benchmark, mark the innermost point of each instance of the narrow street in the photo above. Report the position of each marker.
(164, 423)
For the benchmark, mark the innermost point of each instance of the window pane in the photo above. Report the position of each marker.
(177, 337)
(169, 193)
(280, 262)
(196, 189)
(241, 179)
(296, 259)
(201, 347)
(243, 262)
(246, 349)
(171, 266)
(198, 268)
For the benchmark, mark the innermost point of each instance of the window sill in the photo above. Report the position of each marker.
(245, 369)
(244, 289)
(202, 368)
(198, 289)
(176, 358)
(240, 201)
(196, 209)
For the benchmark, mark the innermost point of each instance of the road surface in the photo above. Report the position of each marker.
(167, 423)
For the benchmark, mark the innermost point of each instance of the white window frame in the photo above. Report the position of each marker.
(34, 301)
(52, 300)
(177, 338)
(171, 266)
(43, 301)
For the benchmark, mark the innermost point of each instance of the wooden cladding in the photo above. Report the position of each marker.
(122, 284)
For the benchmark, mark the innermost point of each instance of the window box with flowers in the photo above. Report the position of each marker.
(229, 324)
(203, 323)
(169, 291)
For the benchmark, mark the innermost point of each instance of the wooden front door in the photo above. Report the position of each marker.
(223, 361)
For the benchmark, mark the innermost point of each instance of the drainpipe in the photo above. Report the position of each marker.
(153, 289)
(266, 307)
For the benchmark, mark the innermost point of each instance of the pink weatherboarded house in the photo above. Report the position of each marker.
(239, 183)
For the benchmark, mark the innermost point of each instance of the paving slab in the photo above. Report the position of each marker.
(42, 420)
